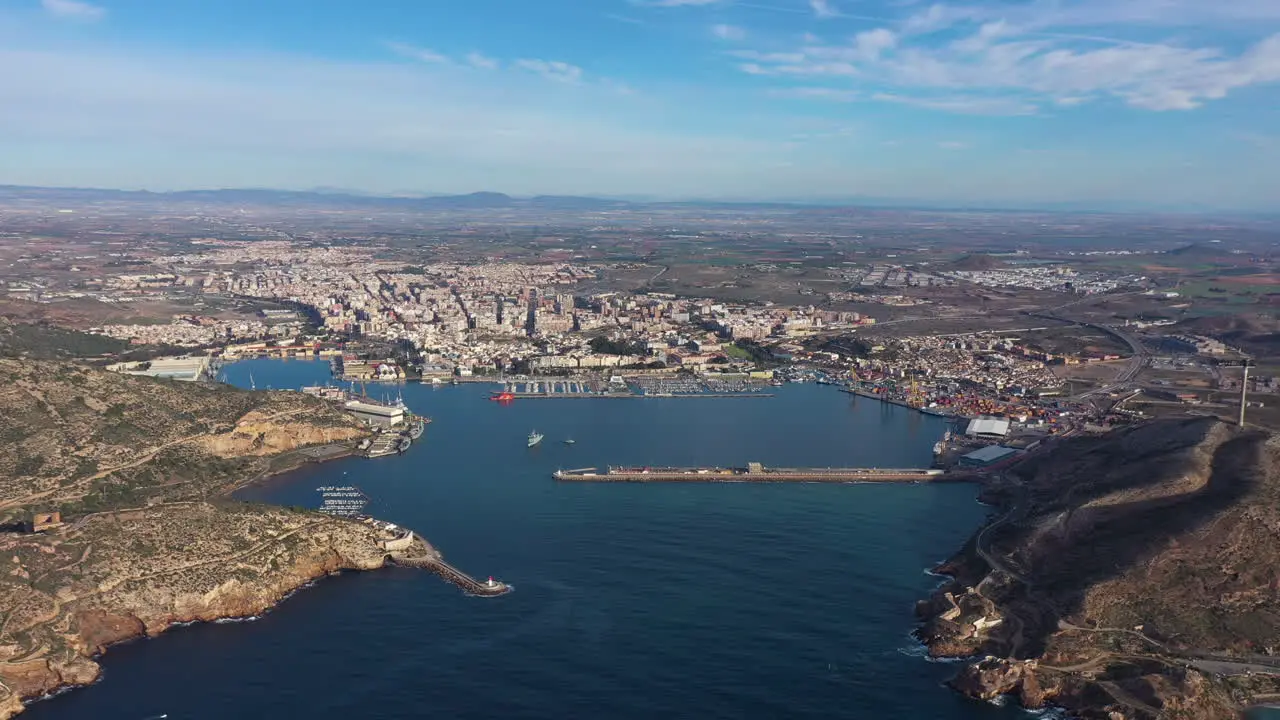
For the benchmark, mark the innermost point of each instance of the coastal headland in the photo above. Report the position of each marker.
(1131, 575)
(116, 520)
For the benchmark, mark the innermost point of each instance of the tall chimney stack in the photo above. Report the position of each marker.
(1244, 390)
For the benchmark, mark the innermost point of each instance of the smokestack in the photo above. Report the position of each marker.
(1244, 391)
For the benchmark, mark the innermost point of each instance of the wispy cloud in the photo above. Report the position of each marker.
(1003, 58)
(963, 105)
(417, 53)
(816, 93)
(624, 19)
(823, 9)
(1094, 13)
(729, 32)
(237, 120)
(553, 70)
(954, 145)
(678, 3)
(74, 10)
(483, 62)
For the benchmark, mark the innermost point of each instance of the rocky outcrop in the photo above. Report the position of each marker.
(137, 468)
(266, 554)
(259, 433)
(1135, 575)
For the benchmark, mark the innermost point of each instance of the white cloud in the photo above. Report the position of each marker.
(999, 58)
(416, 53)
(477, 60)
(963, 105)
(870, 44)
(680, 3)
(553, 70)
(817, 93)
(186, 120)
(729, 32)
(73, 10)
(954, 145)
(938, 17)
(823, 9)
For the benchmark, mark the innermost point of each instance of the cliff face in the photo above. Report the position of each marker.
(78, 439)
(118, 576)
(135, 467)
(260, 433)
(1134, 575)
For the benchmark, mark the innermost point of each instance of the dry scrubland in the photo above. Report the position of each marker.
(138, 468)
(1130, 564)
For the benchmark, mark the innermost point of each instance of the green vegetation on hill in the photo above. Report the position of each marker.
(42, 341)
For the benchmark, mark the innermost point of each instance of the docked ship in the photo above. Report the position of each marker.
(416, 428)
(534, 438)
(503, 396)
(404, 444)
(941, 446)
(384, 445)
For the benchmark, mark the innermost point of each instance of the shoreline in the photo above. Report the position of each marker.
(138, 630)
(86, 668)
(857, 392)
(295, 461)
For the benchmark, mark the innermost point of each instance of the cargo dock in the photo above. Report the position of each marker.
(631, 396)
(753, 472)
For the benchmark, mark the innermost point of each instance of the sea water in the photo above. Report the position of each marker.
(715, 600)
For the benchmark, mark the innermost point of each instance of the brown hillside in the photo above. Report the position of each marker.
(1129, 564)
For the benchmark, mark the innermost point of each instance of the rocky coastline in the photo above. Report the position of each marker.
(75, 627)
(116, 521)
(1128, 577)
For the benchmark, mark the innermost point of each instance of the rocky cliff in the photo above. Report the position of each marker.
(119, 575)
(1134, 575)
(137, 468)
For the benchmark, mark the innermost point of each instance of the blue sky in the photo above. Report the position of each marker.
(1149, 102)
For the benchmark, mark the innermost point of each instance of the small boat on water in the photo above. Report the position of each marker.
(403, 445)
(569, 441)
(534, 438)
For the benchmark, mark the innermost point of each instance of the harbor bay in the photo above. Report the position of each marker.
(630, 601)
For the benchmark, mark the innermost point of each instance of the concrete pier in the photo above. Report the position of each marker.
(451, 574)
(754, 472)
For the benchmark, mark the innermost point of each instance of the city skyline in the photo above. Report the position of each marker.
(1137, 103)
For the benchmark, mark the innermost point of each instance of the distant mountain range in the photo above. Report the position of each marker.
(341, 198)
(309, 198)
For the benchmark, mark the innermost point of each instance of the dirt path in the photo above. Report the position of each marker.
(143, 459)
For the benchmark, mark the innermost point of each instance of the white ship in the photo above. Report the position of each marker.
(534, 438)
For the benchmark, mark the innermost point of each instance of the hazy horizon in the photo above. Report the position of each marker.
(1133, 103)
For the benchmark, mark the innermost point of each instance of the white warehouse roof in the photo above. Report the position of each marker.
(988, 427)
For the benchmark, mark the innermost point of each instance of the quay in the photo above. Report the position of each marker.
(451, 574)
(630, 396)
(619, 387)
(406, 548)
(753, 472)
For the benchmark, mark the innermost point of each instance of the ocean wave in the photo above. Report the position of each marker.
(224, 621)
(61, 690)
(1049, 713)
(917, 649)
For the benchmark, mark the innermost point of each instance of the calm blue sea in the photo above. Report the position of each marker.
(631, 601)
